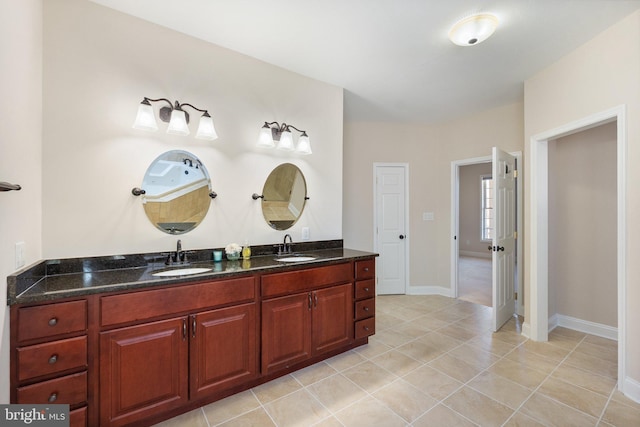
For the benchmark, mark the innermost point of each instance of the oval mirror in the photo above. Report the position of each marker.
(285, 194)
(177, 188)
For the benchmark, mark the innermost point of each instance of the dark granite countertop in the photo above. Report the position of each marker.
(56, 279)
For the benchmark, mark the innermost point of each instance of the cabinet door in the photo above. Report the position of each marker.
(143, 371)
(223, 349)
(286, 331)
(332, 318)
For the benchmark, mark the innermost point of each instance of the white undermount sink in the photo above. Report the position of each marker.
(181, 272)
(298, 258)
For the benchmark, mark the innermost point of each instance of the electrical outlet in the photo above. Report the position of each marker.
(305, 233)
(20, 258)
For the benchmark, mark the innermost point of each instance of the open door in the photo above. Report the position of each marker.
(504, 237)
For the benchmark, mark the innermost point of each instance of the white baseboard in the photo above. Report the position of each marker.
(585, 326)
(632, 389)
(526, 330)
(430, 290)
(486, 255)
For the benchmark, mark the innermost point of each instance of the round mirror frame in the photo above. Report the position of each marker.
(177, 192)
(284, 196)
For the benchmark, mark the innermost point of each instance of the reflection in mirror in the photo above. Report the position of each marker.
(285, 194)
(177, 188)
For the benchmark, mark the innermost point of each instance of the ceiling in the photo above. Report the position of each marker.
(393, 57)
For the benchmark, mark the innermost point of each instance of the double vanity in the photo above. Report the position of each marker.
(128, 340)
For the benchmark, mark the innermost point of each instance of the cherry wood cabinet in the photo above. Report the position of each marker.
(143, 371)
(286, 331)
(159, 366)
(224, 349)
(134, 358)
(50, 356)
(306, 324)
(365, 301)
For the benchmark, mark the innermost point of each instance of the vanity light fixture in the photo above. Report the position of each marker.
(274, 132)
(473, 29)
(177, 118)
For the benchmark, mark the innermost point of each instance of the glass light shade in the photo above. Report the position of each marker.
(178, 123)
(286, 141)
(145, 119)
(206, 129)
(304, 146)
(473, 29)
(265, 139)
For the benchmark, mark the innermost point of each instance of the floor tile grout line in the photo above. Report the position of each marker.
(476, 332)
(606, 406)
(551, 398)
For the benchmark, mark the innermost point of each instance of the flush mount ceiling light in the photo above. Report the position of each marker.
(473, 29)
(281, 133)
(177, 118)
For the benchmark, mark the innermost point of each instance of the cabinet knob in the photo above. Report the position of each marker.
(53, 397)
(366, 289)
(53, 321)
(53, 359)
(365, 308)
(366, 269)
(366, 328)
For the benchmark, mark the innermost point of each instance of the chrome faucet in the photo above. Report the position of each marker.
(286, 247)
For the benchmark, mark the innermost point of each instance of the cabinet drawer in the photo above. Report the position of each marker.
(52, 319)
(78, 417)
(71, 390)
(365, 269)
(365, 289)
(302, 280)
(134, 306)
(365, 308)
(365, 327)
(48, 358)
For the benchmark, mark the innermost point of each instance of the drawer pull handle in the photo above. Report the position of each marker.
(53, 397)
(365, 308)
(53, 359)
(366, 328)
(53, 321)
(366, 289)
(366, 269)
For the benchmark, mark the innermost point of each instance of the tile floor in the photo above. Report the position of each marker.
(435, 362)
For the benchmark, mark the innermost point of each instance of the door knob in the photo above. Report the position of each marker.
(401, 236)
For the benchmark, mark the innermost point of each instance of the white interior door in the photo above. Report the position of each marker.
(504, 237)
(391, 236)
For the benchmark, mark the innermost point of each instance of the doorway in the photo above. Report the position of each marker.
(506, 232)
(537, 326)
(475, 224)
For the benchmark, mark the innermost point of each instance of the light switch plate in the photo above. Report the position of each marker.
(305, 233)
(20, 257)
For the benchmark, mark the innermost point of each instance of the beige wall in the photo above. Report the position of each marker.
(99, 64)
(20, 149)
(601, 74)
(583, 226)
(470, 210)
(429, 151)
